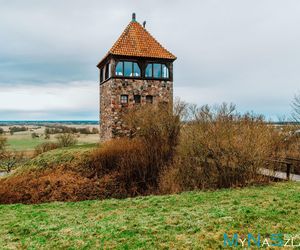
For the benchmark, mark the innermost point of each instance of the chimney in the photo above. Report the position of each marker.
(133, 17)
(144, 24)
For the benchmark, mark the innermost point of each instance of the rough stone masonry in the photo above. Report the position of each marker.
(137, 70)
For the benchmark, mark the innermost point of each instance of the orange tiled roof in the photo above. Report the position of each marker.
(137, 41)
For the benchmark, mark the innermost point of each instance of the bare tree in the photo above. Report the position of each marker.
(10, 159)
(2, 146)
(296, 108)
(66, 140)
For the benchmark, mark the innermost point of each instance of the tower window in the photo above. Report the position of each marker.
(149, 99)
(101, 75)
(124, 99)
(127, 68)
(149, 70)
(136, 70)
(137, 99)
(157, 70)
(107, 71)
(119, 69)
(165, 71)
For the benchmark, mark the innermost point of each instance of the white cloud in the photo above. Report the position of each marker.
(62, 98)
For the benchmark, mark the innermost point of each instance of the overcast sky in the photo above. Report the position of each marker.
(245, 52)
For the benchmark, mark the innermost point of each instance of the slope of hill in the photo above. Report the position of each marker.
(192, 220)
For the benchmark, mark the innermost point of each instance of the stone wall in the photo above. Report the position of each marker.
(111, 108)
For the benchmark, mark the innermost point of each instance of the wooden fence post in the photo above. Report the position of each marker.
(288, 171)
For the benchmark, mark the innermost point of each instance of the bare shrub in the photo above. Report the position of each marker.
(220, 148)
(296, 108)
(66, 140)
(159, 129)
(34, 135)
(10, 160)
(44, 147)
(3, 141)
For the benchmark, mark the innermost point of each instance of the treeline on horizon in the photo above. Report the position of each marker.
(45, 123)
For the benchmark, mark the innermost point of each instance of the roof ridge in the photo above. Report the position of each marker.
(155, 39)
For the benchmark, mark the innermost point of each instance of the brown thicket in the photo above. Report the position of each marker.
(118, 168)
(170, 151)
(136, 163)
(220, 148)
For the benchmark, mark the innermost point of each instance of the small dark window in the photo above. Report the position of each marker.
(137, 99)
(149, 99)
(101, 75)
(124, 99)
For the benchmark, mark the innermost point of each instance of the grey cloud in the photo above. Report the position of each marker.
(247, 52)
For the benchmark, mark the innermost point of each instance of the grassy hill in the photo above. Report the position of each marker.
(192, 220)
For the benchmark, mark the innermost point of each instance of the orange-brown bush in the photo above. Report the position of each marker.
(58, 184)
(126, 160)
(220, 149)
(137, 163)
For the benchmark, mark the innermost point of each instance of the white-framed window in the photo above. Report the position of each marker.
(128, 68)
(124, 99)
(157, 70)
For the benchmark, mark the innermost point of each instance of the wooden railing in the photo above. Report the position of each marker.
(288, 162)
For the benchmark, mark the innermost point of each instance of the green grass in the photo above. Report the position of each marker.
(193, 220)
(23, 143)
(60, 156)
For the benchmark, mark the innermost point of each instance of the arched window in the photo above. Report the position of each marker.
(127, 68)
(157, 70)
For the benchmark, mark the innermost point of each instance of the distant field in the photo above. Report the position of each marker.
(193, 220)
(22, 141)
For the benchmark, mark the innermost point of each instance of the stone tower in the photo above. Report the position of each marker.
(137, 70)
